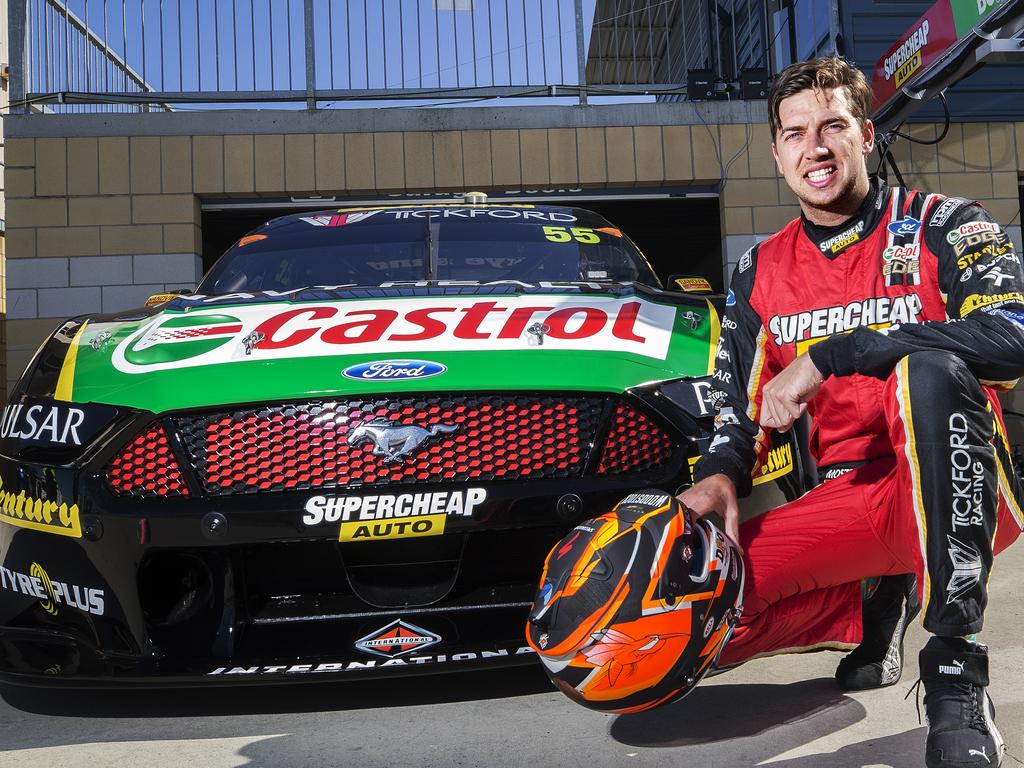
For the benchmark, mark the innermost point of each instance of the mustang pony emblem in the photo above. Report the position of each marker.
(395, 441)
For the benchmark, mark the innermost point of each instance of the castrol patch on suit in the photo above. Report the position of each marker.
(397, 326)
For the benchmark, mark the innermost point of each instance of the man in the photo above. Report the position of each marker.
(889, 316)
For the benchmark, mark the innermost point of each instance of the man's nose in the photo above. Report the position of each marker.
(816, 147)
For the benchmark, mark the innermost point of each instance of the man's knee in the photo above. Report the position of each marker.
(936, 374)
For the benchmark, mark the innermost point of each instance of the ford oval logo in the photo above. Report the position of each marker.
(393, 370)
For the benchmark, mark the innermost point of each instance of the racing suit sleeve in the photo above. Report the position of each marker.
(982, 284)
(742, 367)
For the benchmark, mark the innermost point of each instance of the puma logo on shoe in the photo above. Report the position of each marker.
(979, 753)
(958, 669)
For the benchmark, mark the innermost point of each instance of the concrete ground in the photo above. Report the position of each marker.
(784, 712)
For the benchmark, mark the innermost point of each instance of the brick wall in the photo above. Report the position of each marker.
(100, 223)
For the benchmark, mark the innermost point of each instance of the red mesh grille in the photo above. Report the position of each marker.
(634, 444)
(347, 444)
(147, 468)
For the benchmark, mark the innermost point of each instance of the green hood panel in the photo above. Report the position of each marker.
(246, 352)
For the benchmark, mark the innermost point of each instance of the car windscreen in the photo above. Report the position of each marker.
(375, 247)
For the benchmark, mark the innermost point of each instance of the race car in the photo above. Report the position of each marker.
(348, 452)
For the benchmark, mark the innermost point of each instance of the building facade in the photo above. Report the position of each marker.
(105, 208)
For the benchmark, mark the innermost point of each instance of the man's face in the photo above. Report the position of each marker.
(820, 149)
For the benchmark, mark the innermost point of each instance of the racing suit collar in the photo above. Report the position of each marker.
(832, 241)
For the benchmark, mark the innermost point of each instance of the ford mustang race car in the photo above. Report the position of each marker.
(348, 452)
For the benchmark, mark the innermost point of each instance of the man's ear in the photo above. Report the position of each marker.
(869, 137)
(775, 154)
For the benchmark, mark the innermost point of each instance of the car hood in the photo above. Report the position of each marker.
(211, 351)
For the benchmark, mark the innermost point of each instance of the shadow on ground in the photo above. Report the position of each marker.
(280, 699)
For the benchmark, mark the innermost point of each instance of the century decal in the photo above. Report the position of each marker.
(817, 324)
(387, 516)
(51, 593)
(39, 514)
(389, 326)
(967, 475)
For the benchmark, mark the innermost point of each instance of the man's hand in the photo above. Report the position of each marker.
(715, 494)
(784, 399)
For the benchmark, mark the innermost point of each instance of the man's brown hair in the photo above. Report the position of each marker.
(819, 74)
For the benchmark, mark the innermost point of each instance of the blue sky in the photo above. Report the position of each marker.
(225, 45)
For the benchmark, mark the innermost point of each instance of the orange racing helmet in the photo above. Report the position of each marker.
(634, 606)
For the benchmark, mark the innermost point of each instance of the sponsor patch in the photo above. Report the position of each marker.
(386, 326)
(777, 463)
(693, 284)
(967, 569)
(967, 476)
(1006, 314)
(901, 265)
(730, 299)
(843, 239)
(944, 211)
(977, 301)
(971, 228)
(39, 514)
(745, 261)
(396, 639)
(394, 370)
(52, 593)
(807, 328)
(967, 242)
(905, 226)
(646, 499)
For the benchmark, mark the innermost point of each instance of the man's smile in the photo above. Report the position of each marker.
(820, 176)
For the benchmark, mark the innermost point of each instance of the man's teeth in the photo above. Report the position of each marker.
(820, 175)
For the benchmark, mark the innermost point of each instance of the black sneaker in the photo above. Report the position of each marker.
(878, 660)
(962, 731)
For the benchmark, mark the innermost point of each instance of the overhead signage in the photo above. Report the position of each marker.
(924, 42)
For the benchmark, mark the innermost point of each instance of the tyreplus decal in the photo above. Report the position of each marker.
(375, 326)
(52, 593)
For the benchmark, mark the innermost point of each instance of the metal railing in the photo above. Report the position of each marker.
(106, 54)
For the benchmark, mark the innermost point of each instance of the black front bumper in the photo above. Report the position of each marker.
(117, 590)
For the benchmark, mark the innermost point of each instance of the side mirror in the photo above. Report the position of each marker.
(162, 298)
(689, 284)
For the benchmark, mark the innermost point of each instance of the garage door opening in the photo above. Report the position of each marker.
(678, 235)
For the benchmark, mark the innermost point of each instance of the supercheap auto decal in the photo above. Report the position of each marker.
(391, 516)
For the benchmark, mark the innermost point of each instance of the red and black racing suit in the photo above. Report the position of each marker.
(913, 310)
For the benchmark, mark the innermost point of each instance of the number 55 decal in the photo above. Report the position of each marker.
(579, 234)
